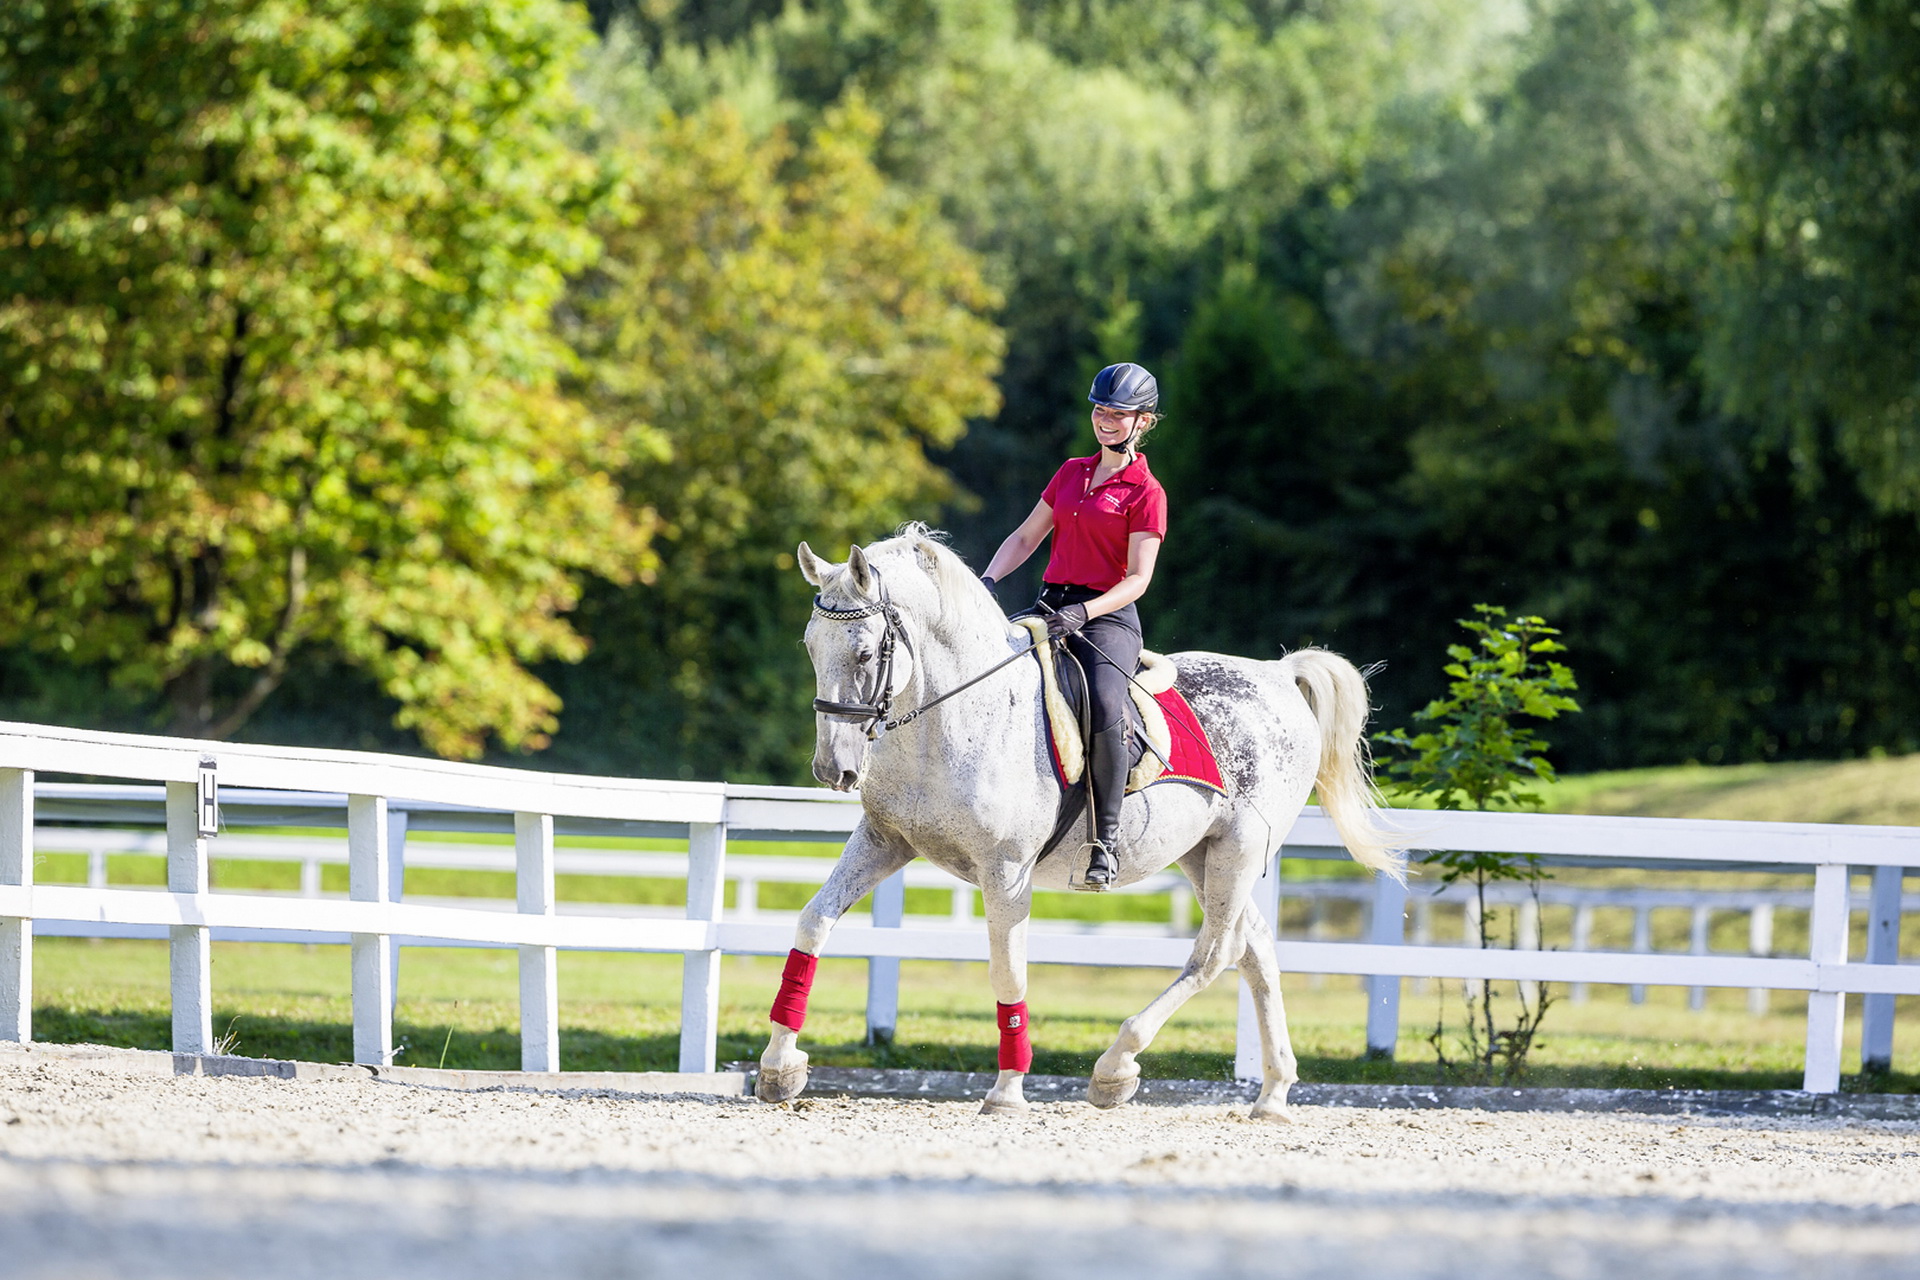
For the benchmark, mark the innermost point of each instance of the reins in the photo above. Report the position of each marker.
(893, 632)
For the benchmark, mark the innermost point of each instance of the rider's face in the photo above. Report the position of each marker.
(1112, 426)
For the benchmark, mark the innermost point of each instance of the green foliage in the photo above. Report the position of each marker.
(796, 334)
(1477, 757)
(1602, 308)
(274, 330)
(1818, 311)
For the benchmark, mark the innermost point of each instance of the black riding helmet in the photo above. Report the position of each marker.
(1125, 386)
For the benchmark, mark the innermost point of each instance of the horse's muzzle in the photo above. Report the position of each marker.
(838, 779)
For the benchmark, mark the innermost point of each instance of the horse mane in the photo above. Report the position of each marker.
(961, 593)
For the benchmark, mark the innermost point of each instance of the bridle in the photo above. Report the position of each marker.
(875, 711)
(892, 634)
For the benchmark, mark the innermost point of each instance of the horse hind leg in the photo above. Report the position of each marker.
(1116, 1076)
(1261, 969)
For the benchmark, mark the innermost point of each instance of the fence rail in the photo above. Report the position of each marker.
(378, 798)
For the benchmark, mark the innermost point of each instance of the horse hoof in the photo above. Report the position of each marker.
(780, 1084)
(1272, 1113)
(1108, 1094)
(1007, 1108)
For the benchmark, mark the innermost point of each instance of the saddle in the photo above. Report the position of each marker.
(1064, 686)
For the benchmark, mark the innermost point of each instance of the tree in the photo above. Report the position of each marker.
(1818, 310)
(796, 334)
(279, 370)
(1477, 757)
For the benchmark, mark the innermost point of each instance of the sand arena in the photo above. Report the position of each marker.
(108, 1173)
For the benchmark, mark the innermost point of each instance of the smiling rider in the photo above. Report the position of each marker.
(1108, 516)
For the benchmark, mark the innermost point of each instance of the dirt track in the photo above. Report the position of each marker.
(105, 1173)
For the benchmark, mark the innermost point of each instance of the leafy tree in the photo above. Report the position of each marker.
(1818, 313)
(1477, 757)
(796, 334)
(279, 371)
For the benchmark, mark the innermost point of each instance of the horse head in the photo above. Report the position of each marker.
(861, 662)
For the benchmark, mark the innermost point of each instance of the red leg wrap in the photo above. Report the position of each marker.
(1016, 1049)
(790, 1006)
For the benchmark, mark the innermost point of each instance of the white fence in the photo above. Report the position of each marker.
(379, 797)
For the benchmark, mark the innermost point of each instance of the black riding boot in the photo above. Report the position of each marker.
(1107, 764)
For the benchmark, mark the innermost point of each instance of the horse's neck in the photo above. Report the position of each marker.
(917, 760)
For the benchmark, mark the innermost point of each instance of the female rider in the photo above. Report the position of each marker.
(1108, 515)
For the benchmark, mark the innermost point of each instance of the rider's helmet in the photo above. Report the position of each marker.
(1125, 386)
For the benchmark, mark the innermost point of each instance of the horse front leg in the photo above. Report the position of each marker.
(1008, 911)
(864, 863)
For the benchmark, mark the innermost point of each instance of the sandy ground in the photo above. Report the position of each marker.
(108, 1173)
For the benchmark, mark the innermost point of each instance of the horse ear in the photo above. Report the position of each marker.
(812, 567)
(861, 570)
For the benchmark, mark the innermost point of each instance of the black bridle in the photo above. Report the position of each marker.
(875, 711)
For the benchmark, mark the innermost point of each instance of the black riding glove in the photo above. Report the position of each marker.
(1064, 622)
(987, 582)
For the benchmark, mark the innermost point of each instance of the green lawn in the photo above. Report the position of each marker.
(621, 1013)
(1874, 791)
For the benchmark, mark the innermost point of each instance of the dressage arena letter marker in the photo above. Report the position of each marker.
(790, 1006)
(209, 797)
(1016, 1049)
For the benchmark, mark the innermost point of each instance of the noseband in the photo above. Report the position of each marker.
(875, 711)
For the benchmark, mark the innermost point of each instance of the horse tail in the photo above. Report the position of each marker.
(1337, 693)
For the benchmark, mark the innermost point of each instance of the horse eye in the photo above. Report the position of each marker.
(863, 656)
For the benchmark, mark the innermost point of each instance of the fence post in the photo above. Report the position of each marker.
(1642, 941)
(1422, 933)
(1826, 1009)
(1247, 1063)
(1387, 928)
(539, 966)
(700, 972)
(1760, 943)
(1883, 947)
(189, 948)
(883, 972)
(368, 858)
(1476, 988)
(16, 932)
(396, 886)
(1582, 941)
(1697, 945)
(1180, 909)
(1527, 938)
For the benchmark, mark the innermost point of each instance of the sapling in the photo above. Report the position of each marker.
(1476, 756)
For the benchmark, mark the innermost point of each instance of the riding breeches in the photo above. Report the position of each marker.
(1108, 647)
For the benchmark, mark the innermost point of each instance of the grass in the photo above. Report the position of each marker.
(1873, 791)
(620, 1012)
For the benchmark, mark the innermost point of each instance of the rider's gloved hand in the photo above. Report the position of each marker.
(1064, 622)
(987, 582)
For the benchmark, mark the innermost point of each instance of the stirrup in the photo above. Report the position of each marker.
(1103, 868)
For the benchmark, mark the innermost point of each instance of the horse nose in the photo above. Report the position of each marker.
(848, 780)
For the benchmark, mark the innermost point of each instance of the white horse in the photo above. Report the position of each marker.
(968, 786)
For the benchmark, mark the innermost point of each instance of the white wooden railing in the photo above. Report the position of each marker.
(378, 797)
(747, 872)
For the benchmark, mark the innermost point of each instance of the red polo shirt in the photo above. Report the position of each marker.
(1091, 524)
